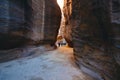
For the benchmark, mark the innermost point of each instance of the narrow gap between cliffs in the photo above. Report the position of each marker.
(60, 38)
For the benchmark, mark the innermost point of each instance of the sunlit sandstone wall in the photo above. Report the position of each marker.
(67, 9)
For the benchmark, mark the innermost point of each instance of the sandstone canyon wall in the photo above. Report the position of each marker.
(11, 25)
(95, 37)
(28, 22)
(52, 19)
(67, 11)
(115, 19)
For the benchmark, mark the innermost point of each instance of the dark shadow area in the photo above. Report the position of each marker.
(15, 23)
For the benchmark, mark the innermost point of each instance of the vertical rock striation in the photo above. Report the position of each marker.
(37, 19)
(12, 21)
(93, 38)
(52, 20)
(68, 27)
(28, 22)
(115, 18)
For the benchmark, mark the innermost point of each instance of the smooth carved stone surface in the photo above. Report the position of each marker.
(94, 39)
(30, 22)
(12, 28)
(52, 20)
(98, 64)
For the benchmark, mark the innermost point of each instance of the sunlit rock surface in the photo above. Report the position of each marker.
(28, 22)
(67, 11)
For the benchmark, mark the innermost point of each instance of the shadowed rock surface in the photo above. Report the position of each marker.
(28, 21)
(94, 37)
(52, 19)
(67, 10)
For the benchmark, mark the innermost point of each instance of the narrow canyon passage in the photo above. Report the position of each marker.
(45, 65)
(60, 37)
(34, 34)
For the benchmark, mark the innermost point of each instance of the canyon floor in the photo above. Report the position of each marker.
(55, 64)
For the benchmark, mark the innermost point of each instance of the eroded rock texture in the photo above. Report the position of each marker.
(115, 18)
(52, 20)
(94, 38)
(11, 24)
(68, 27)
(28, 21)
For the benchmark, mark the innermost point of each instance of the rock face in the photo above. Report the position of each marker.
(52, 20)
(11, 24)
(94, 38)
(68, 27)
(28, 22)
(116, 28)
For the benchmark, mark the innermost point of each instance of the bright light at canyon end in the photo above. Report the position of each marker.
(60, 3)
